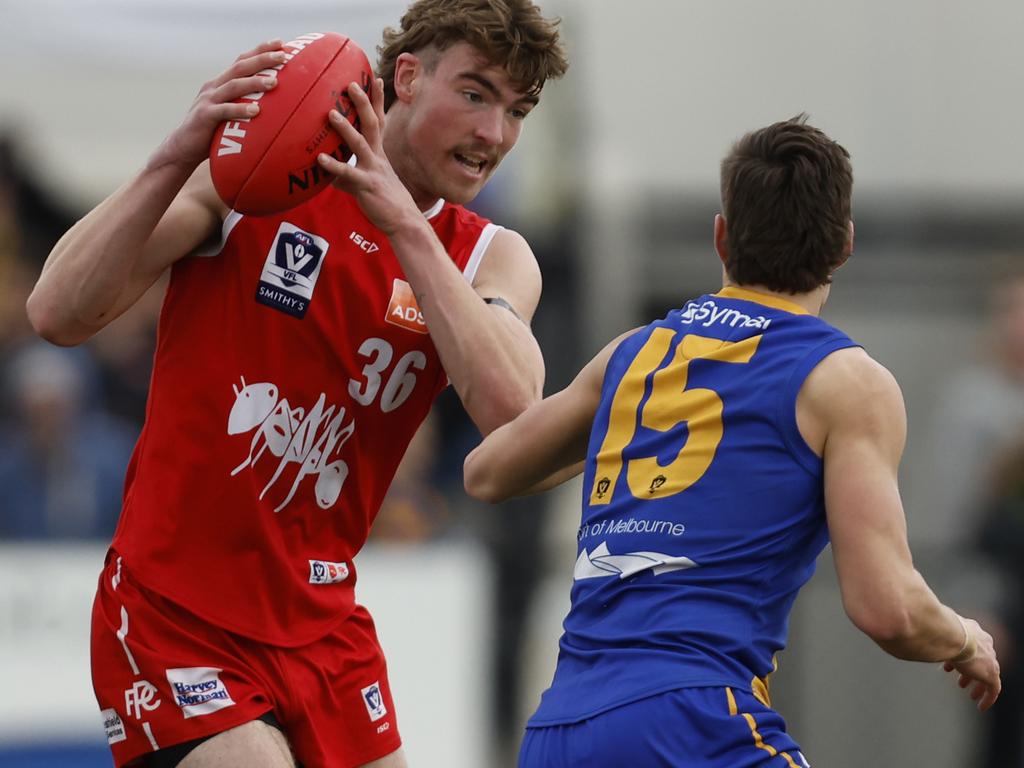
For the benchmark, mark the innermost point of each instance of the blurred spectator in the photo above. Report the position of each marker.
(977, 490)
(124, 350)
(1002, 538)
(981, 414)
(30, 225)
(414, 509)
(62, 462)
(62, 456)
(30, 219)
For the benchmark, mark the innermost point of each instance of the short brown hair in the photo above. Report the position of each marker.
(508, 33)
(786, 197)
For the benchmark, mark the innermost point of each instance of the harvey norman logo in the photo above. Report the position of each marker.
(708, 313)
(198, 690)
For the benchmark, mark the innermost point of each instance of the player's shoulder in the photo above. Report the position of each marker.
(507, 258)
(849, 384)
(852, 368)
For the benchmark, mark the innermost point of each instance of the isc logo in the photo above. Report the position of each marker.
(363, 243)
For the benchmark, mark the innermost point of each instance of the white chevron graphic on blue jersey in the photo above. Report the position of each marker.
(601, 563)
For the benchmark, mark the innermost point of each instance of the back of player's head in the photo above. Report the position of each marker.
(509, 33)
(786, 197)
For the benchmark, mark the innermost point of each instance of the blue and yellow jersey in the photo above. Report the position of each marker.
(703, 507)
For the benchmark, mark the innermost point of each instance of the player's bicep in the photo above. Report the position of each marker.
(509, 277)
(866, 521)
(192, 220)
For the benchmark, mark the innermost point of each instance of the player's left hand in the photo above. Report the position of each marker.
(979, 673)
(372, 181)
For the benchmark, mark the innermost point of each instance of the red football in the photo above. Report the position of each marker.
(268, 164)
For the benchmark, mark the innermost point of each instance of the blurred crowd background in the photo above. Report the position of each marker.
(615, 185)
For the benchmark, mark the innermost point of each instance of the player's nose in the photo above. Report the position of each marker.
(490, 127)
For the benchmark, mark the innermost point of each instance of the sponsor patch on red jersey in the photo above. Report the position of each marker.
(403, 310)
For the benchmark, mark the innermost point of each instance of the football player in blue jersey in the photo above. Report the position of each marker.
(722, 448)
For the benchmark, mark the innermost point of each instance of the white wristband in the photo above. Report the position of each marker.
(970, 647)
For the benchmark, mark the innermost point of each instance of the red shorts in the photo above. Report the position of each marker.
(163, 676)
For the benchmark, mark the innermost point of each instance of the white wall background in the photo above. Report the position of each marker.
(924, 93)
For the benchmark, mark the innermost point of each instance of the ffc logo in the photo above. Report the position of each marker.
(141, 696)
(403, 310)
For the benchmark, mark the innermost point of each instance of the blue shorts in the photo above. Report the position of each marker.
(685, 728)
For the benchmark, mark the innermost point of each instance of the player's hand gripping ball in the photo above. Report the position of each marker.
(267, 164)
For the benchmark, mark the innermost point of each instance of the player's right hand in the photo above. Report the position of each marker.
(189, 144)
(981, 673)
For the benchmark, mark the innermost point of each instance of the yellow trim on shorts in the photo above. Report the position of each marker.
(759, 685)
(758, 741)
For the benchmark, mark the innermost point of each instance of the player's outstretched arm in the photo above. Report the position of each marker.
(853, 407)
(107, 260)
(488, 350)
(543, 446)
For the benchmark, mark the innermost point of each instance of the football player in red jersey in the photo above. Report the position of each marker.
(225, 630)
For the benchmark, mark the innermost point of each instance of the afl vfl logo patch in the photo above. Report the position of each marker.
(374, 702)
(291, 270)
(403, 310)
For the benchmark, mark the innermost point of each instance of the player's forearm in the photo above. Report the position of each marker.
(492, 474)
(497, 370)
(522, 457)
(540, 448)
(94, 261)
(916, 626)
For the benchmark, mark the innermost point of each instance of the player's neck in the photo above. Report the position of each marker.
(812, 301)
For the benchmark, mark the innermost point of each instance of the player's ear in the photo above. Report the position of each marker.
(848, 247)
(408, 69)
(721, 238)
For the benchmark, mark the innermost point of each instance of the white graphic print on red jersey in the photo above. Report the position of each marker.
(293, 436)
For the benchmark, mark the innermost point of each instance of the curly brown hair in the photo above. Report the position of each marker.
(786, 197)
(509, 33)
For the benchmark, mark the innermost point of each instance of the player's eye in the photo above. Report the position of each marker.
(473, 97)
(519, 114)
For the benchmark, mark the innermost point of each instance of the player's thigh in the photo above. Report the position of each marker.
(395, 760)
(252, 745)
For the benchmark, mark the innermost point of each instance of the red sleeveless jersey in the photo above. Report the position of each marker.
(291, 371)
